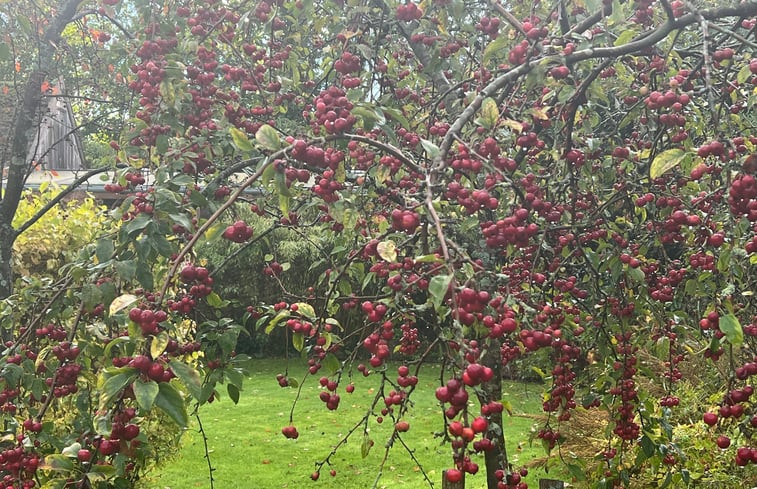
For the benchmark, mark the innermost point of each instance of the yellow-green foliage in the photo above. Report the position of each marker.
(58, 235)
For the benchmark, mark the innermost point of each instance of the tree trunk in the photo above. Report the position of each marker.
(7, 237)
(496, 458)
(22, 134)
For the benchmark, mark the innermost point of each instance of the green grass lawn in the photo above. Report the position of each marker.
(247, 448)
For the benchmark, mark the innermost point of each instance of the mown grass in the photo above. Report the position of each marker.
(247, 449)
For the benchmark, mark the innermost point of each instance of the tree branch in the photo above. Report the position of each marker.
(61, 195)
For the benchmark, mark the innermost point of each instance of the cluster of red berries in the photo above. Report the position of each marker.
(332, 111)
(147, 319)
(239, 232)
(65, 380)
(329, 396)
(18, 467)
(511, 230)
(512, 480)
(66, 351)
(327, 187)
(742, 197)
(409, 12)
(122, 432)
(409, 342)
(7, 396)
(625, 389)
(405, 220)
(489, 26)
(199, 278)
(377, 344)
(150, 369)
(454, 393)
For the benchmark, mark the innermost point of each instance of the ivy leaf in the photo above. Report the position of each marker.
(171, 402)
(665, 161)
(268, 138)
(240, 140)
(145, 392)
(731, 328)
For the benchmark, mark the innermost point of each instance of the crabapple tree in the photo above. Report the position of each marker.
(483, 181)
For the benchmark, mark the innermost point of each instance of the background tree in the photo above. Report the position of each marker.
(490, 180)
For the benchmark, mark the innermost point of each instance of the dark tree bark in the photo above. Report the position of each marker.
(22, 134)
(492, 391)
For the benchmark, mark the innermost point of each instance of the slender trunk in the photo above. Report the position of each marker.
(7, 237)
(496, 458)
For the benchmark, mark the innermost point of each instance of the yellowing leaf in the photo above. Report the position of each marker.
(489, 113)
(240, 140)
(514, 125)
(387, 250)
(268, 138)
(122, 302)
(540, 113)
(666, 161)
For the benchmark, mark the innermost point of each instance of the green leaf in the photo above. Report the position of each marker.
(189, 376)
(214, 300)
(636, 274)
(489, 113)
(331, 363)
(171, 402)
(369, 116)
(233, 393)
(666, 161)
(144, 275)
(431, 149)
(731, 328)
(577, 472)
(127, 269)
(161, 245)
(437, 288)
(625, 37)
(495, 47)
(145, 392)
(298, 341)
(104, 250)
(744, 74)
(365, 447)
(90, 296)
(283, 314)
(111, 386)
(240, 140)
(268, 138)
